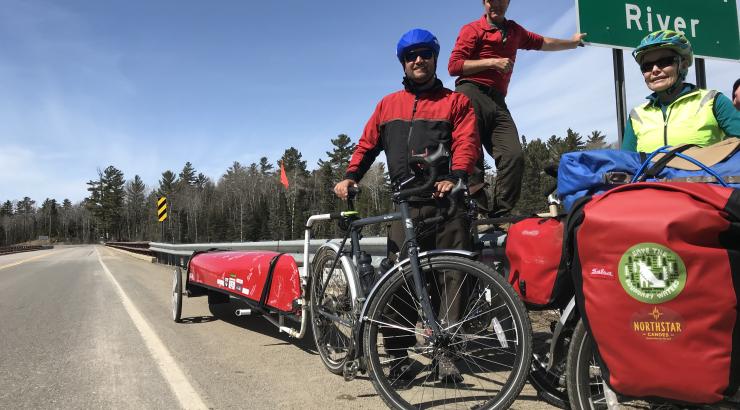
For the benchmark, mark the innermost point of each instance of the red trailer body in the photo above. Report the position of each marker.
(269, 278)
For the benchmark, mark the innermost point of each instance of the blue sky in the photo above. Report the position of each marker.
(148, 85)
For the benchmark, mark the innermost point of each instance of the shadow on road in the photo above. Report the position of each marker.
(197, 319)
(255, 323)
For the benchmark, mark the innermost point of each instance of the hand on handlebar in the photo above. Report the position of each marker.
(441, 188)
(341, 189)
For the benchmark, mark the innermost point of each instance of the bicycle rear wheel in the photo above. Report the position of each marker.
(331, 311)
(490, 344)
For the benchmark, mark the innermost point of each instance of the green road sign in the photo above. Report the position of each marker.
(710, 25)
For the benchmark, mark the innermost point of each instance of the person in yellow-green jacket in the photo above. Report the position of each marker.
(676, 112)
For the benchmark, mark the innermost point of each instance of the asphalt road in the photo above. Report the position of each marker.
(85, 327)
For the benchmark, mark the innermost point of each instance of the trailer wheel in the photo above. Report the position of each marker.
(176, 295)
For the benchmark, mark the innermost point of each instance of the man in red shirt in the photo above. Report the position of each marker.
(483, 60)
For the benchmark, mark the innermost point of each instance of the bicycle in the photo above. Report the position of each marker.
(550, 338)
(360, 327)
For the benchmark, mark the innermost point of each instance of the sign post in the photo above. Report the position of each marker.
(711, 26)
(162, 214)
(619, 92)
(162, 209)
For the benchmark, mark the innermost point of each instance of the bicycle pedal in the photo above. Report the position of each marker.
(349, 371)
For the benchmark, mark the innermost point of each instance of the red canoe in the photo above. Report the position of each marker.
(269, 278)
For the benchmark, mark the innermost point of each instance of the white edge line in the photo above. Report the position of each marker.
(181, 387)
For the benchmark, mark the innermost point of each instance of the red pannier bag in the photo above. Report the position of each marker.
(533, 249)
(656, 268)
(269, 278)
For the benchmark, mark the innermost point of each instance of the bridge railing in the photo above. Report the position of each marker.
(4, 250)
(179, 254)
(141, 248)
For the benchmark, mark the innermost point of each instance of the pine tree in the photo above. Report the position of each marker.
(167, 183)
(596, 140)
(106, 202)
(6, 209)
(265, 166)
(135, 200)
(26, 210)
(536, 157)
(339, 157)
(295, 195)
(188, 175)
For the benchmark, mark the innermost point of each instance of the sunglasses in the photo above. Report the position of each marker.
(647, 66)
(425, 54)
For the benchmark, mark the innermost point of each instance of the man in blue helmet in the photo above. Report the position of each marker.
(412, 122)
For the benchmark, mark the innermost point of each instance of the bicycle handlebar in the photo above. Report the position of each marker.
(452, 199)
(352, 192)
(429, 161)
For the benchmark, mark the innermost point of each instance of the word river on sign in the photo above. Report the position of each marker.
(634, 15)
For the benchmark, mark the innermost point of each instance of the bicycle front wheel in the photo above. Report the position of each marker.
(331, 310)
(482, 356)
(586, 387)
(548, 380)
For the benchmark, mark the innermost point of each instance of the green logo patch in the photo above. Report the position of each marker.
(652, 273)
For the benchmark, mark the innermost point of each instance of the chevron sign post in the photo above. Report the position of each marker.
(162, 209)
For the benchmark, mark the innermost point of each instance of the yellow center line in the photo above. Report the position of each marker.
(10, 265)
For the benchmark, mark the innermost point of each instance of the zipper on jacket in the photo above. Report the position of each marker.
(408, 139)
(666, 117)
(665, 125)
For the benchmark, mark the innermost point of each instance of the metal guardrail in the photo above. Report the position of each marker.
(135, 247)
(22, 248)
(171, 254)
(179, 254)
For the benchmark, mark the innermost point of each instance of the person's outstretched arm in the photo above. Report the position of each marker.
(556, 44)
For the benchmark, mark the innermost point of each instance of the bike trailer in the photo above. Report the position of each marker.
(656, 270)
(268, 278)
(592, 172)
(536, 272)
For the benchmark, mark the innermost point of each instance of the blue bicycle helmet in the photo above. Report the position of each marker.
(665, 39)
(417, 37)
(670, 40)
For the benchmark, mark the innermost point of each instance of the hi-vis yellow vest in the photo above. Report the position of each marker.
(688, 120)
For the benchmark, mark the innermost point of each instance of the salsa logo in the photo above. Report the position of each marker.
(652, 273)
(601, 273)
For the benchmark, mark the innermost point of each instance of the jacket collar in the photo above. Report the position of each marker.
(655, 102)
(411, 86)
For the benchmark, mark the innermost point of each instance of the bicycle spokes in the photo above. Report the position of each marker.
(475, 357)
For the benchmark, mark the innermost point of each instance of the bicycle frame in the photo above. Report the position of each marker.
(360, 300)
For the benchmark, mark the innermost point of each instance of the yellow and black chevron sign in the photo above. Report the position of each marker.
(162, 209)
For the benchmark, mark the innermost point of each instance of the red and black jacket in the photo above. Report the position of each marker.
(408, 123)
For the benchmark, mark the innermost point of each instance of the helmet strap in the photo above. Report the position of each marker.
(682, 73)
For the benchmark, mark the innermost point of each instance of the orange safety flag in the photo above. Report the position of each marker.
(283, 176)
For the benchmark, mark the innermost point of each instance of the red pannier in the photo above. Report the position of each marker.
(269, 278)
(657, 276)
(533, 249)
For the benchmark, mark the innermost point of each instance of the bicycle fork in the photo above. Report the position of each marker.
(422, 295)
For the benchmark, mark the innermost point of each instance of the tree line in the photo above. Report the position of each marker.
(246, 203)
